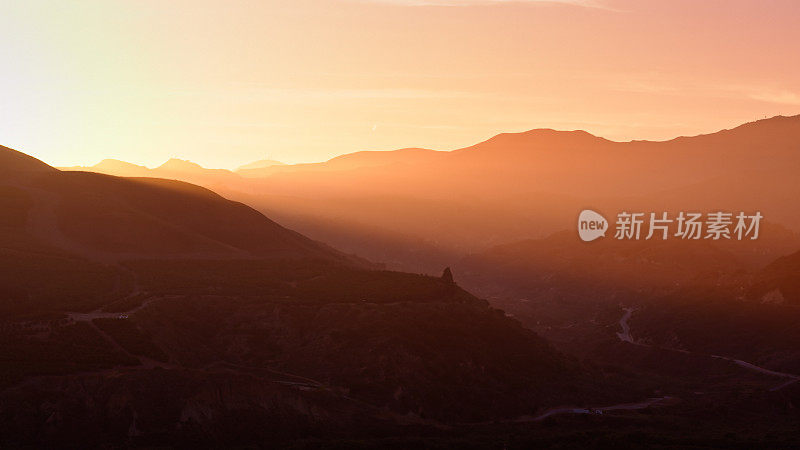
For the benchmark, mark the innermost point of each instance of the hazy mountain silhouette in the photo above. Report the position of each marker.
(119, 168)
(519, 185)
(260, 164)
(522, 185)
(174, 169)
(350, 161)
(181, 165)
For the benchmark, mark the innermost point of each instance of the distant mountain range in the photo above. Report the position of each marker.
(425, 207)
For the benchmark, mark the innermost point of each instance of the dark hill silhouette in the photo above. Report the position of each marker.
(108, 218)
(14, 161)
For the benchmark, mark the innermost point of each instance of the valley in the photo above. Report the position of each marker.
(196, 318)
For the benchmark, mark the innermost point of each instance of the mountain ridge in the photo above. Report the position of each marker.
(102, 215)
(536, 135)
(14, 161)
(523, 185)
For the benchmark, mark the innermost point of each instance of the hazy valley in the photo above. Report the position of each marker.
(145, 310)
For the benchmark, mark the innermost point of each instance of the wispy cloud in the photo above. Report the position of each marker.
(659, 84)
(583, 3)
(782, 97)
(260, 93)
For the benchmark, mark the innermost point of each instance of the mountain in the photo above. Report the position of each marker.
(563, 262)
(568, 162)
(15, 163)
(350, 161)
(119, 168)
(180, 165)
(751, 317)
(109, 218)
(261, 164)
(561, 281)
(113, 167)
(154, 312)
(178, 169)
(517, 186)
(379, 159)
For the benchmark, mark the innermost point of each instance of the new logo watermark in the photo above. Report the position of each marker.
(685, 225)
(591, 225)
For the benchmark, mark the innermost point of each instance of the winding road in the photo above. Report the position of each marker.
(625, 336)
(652, 402)
(100, 314)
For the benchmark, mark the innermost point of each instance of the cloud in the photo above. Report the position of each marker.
(660, 84)
(782, 97)
(583, 3)
(255, 93)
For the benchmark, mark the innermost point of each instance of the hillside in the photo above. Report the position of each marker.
(779, 282)
(108, 218)
(153, 311)
(561, 261)
(12, 162)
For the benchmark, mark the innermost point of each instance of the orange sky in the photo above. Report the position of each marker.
(226, 82)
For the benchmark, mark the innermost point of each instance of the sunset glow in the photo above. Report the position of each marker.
(307, 80)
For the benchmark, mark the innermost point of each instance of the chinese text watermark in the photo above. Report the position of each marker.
(685, 225)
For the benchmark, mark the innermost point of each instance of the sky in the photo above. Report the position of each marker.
(227, 82)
